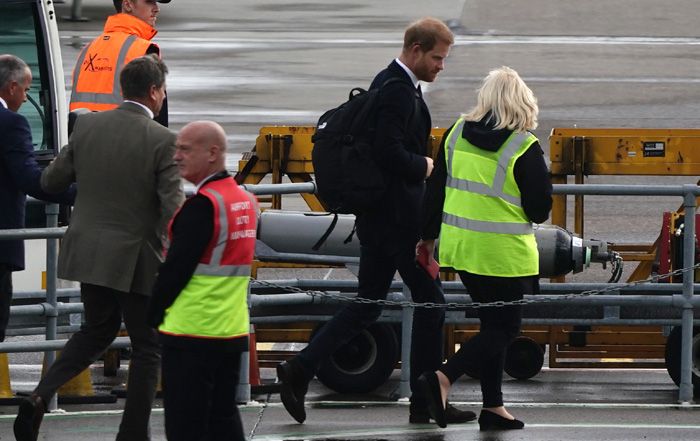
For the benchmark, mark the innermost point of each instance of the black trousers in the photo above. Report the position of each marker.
(199, 395)
(485, 353)
(5, 298)
(377, 269)
(104, 308)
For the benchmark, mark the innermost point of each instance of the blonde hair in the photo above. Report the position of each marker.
(511, 104)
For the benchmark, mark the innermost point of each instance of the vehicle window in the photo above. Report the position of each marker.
(18, 36)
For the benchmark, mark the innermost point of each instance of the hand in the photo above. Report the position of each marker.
(429, 246)
(429, 169)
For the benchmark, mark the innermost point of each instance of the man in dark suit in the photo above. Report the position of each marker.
(19, 174)
(123, 160)
(389, 233)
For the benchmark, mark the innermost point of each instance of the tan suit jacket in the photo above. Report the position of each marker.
(128, 190)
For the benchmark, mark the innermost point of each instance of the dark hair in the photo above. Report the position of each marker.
(12, 68)
(426, 32)
(118, 5)
(140, 74)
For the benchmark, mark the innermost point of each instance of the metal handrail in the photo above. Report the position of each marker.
(685, 301)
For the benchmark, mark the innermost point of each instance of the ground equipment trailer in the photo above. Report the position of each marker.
(578, 153)
(282, 153)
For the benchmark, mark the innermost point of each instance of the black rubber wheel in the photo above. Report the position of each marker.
(364, 363)
(524, 358)
(673, 357)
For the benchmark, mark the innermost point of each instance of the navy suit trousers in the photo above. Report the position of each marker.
(377, 269)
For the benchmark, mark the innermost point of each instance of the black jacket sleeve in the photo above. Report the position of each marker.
(535, 184)
(435, 194)
(192, 230)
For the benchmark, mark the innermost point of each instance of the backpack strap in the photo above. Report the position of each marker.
(328, 232)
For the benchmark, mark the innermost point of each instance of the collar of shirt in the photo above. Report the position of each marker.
(3, 103)
(150, 112)
(204, 181)
(410, 73)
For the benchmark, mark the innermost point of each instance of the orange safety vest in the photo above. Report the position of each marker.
(96, 74)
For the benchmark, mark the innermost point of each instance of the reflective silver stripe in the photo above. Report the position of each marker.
(218, 251)
(253, 202)
(222, 270)
(487, 227)
(456, 134)
(479, 188)
(504, 159)
(496, 187)
(76, 72)
(102, 98)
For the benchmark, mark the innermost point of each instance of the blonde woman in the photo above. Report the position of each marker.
(489, 185)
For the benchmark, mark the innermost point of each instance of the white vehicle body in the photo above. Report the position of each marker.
(28, 29)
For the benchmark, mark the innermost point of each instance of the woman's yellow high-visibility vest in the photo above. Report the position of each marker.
(484, 227)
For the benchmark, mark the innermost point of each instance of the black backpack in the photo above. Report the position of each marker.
(348, 180)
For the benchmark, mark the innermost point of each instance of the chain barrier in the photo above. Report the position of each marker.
(475, 305)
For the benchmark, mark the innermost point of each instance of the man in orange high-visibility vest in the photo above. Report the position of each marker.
(126, 35)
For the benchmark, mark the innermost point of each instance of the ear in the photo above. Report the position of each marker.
(153, 92)
(213, 152)
(415, 49)
(12, 87)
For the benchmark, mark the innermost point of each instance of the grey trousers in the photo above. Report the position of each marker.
(104, 309)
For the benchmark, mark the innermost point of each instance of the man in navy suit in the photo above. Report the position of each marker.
(19, 173)
(389, 233)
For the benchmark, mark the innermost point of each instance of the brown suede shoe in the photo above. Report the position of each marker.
(31, 411)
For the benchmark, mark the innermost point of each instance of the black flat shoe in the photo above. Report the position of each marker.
(490, 421)
(453, 415)
(430, 385)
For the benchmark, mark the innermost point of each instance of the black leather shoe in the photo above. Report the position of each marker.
(428, 381)
(294, 386)
(31, 411)
(490, 421)
(453, 415)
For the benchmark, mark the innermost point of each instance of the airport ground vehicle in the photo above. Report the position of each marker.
(28, 30)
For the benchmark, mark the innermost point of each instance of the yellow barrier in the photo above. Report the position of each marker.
(5, 388)
(78, 386)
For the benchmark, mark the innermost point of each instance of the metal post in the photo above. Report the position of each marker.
(51, 281)
(243, 390)
(685, 394)
(406, 335)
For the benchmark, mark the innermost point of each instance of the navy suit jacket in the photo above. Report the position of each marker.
(19, 176)
(400, 146)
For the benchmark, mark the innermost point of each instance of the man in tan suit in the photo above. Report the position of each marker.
(129, 189)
